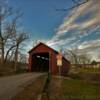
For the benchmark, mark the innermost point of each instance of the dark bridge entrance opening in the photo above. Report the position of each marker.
(40, 62)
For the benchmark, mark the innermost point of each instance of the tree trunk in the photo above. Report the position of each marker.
(11, 57)
(16, 58)
(8, 52)
(2, 51)
(1, 43)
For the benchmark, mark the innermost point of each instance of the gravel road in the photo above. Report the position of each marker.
(11, 85)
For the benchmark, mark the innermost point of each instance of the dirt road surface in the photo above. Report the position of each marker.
(11, 85)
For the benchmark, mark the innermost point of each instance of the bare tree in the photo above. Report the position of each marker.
(20, 38)
(5, 11)
(11, 37)
(35, 42)
(72, 55)
(76, 58)
(22, 58)
(83, 60)
(77, 3)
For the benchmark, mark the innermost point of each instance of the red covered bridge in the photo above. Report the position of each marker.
(43, 59)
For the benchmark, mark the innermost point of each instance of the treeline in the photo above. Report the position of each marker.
(12, 36)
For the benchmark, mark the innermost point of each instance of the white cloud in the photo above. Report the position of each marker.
(90, 12)
(91, 48)
(90, 44)
(56, 40)
(92, 7)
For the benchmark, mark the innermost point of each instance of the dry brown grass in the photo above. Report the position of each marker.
(54, 90)
(8, 68)
(72, 89)
(32, 91)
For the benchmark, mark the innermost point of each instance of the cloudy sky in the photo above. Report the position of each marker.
(50, 22)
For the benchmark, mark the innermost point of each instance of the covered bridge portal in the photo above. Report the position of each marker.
(40, 62)
(43, 59)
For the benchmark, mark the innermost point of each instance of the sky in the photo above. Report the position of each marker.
(78, 28)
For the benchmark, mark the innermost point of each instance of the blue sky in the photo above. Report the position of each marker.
(40, 16)
(78, 28)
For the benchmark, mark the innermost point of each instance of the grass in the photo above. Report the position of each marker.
(80, 90)
(80, 86)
